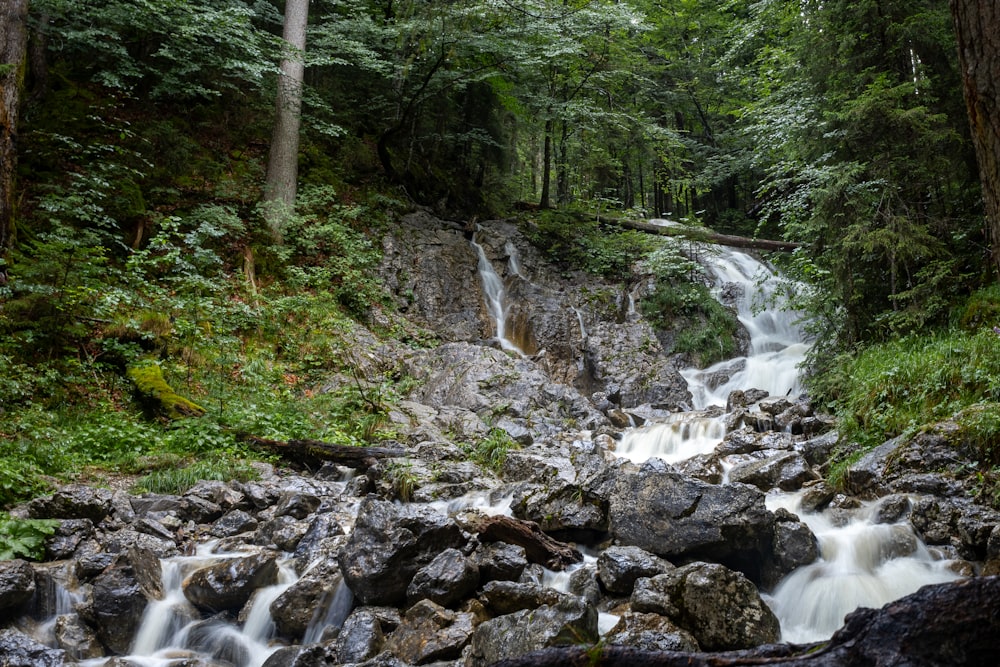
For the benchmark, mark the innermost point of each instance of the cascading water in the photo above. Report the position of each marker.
(494, 294)
(862, 562)
(777, 345)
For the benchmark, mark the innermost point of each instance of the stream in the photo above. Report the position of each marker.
(864, 561)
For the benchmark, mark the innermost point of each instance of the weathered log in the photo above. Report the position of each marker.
(955, 624)
(707, 236)
(538, 547)
(313, 453)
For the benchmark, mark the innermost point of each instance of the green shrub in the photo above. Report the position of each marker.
(491, 451)
(24, 538)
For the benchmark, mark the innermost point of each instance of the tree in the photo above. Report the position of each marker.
(283, 161)
(977, 26)
(13, 56)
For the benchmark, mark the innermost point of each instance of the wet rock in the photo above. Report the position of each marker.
(506, 597)
(73, 502)
(795, 545)
(891, 509)
(234, 523)
(76, 638)
(619, 567)
(219, 493)
(650, 632)
(446, 580)
(429, 632)
(786, 471)
(322, 537)
(499, 561)
(296, 504)
(20, 650)
(69, 534)
(300, 603)
(361, 637)
(819, 449)
(229, 584)
(17, 584)
(720, 607)
(774, 405)
(118, 602)
(282, 532)
(569, 621)
(583, 583)
(564, 508)
(129, 538)
(816, 496)
(669, 515)
(387, 547)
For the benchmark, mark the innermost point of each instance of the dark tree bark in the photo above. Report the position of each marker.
(977, 26)
(314, 453)
(13, 58)
(538, 547)
(709, 237)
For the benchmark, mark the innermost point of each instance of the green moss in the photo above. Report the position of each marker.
(153, 387)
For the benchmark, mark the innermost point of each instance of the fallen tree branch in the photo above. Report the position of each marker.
(696, 234)
(313, 453)
(538, 547)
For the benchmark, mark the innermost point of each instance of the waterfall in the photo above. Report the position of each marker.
(862, 562)
(495, 296)
(777, 343)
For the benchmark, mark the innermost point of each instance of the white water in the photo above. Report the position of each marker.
(861, 563)
(777, 343)
(495, 296)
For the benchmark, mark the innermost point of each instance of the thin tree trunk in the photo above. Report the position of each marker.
(543, 201)
(283, 161)
(13, 56)
(977, 26)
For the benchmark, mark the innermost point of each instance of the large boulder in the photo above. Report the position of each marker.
(650, 632)
(721, 608)
(619, 567)
(19, 650)
(446, 580)
(430, 632)
(119, 598)
(228, 585)
(676, 517)
(17, 584)
(300, 603)
(570, 620)
(389, 544)
(75, 501)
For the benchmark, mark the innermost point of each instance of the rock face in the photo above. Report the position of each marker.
(677, 517)
(389, 545)
(228, 585)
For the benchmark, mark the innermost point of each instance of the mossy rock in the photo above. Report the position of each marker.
(149, 382)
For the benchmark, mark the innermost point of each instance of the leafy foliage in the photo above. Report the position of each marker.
(24, 538)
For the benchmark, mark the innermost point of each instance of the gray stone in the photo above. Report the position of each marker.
(228, 585)
(650, 632)
(619, 567)
(446, 580)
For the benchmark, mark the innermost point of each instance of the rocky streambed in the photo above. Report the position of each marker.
(567, 541)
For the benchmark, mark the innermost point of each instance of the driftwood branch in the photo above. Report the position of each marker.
(696, 234)
(313, 453)
(538, 547)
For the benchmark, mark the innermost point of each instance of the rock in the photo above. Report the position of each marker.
(786, 471)
(816, 496)
(650, 632)
(17, 584)
(568, 621)
(499, 561)
(720, 607)
(69, 534)
(300, 603)
(361, 637)
(20, 650)
(430, 632)
(506, 597)
(229, 584)
(234, 523)
(73, 502)
(76, 638)
(671, 516)
(296, 504)
(446, 580)
(619, 567)
(119, 600)
(387, 547)
(794, 546)
(324, 531)
(282, 532)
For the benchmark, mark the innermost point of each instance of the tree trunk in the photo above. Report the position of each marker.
(13, 56)
(283, 161)
(543, 201)
(977, 26)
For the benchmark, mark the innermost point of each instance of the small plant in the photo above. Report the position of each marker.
(401, 479)
(24, 538)
(491, 451)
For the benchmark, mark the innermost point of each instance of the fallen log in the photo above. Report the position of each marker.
(696, 234)
(538, 547)
(955, 624)
(314, 453)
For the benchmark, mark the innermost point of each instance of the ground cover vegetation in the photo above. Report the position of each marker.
(133, 242)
